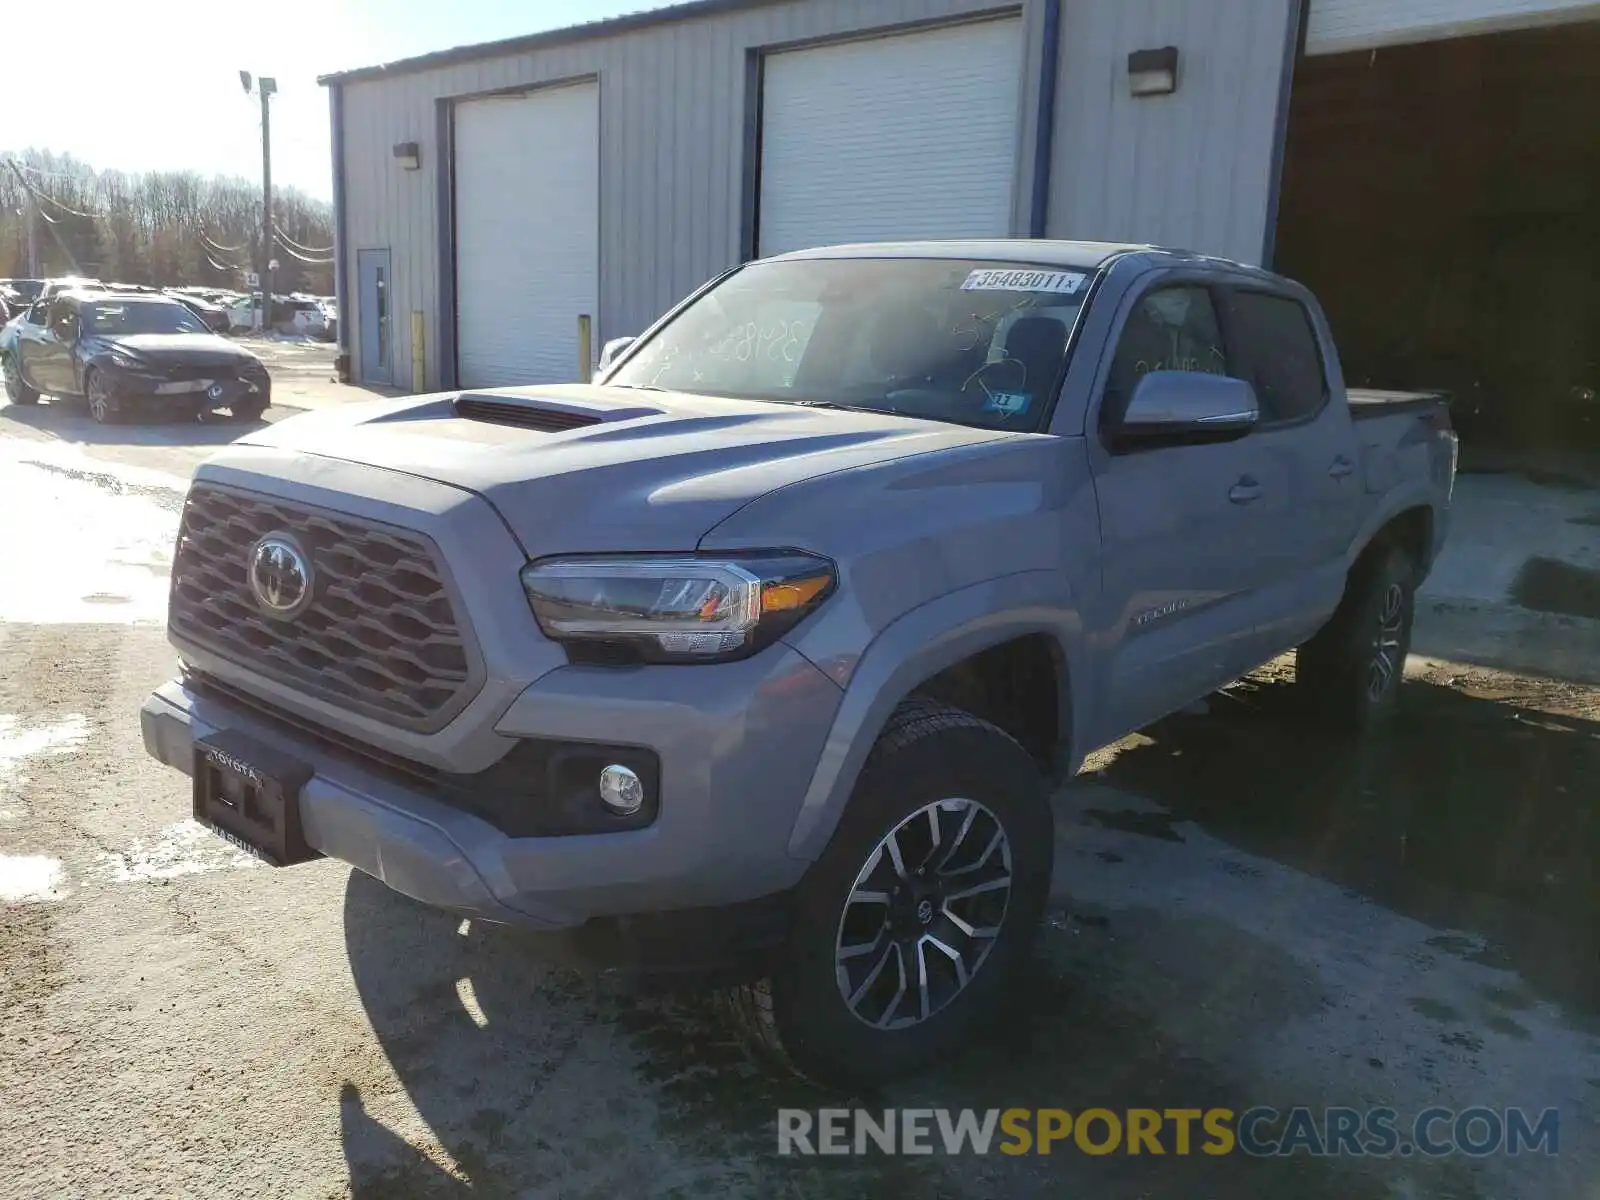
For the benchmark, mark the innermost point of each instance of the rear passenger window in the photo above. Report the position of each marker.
(1169, 329)
(1275, 349)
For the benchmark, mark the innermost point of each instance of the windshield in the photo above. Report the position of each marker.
(971, 342)
(140, 316)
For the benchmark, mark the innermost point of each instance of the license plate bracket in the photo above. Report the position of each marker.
(248, 793)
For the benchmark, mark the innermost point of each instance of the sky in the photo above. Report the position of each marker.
(154, 84)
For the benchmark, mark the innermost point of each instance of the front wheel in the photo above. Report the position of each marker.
(1352, 670)
(17, 391)
(910, 926)
(104, 406)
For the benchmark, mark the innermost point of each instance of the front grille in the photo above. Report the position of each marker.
(498, 412)
(379, 636)
(182, 372)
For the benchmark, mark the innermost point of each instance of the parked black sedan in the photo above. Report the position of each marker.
(132, 353)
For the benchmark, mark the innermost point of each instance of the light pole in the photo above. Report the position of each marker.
(264, 87)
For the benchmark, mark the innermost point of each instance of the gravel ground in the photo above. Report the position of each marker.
(1243, 914)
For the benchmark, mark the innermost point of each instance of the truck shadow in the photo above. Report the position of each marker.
(532, 1078)
(73, 423)
(1472, 815)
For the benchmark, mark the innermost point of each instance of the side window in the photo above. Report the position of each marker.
(63, 316)
(1169, 329)
(1275, 349)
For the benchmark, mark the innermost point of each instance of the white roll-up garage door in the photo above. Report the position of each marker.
(527, 210)
(1337, 26)
(907, 136)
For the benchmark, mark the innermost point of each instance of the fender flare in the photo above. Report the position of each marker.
(912, 649)
(1409, 496)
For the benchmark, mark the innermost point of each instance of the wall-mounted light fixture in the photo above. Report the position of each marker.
(1153, 72)
(408, 155)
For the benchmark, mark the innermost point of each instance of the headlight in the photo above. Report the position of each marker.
(661, 608)
(125, 362)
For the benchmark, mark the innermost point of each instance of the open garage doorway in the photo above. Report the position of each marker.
(1443, 200)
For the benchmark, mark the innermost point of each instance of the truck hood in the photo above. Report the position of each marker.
(576, 468)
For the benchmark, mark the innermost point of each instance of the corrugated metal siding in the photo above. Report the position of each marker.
(1194, 169)
(1336, 26)
(672, 124)
(1190, 169)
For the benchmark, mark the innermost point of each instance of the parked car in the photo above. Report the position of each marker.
(767, 647)
(17, 294)
(300, 315)
(330, 319)
(68, 283)
(214, 317)
(130, 353)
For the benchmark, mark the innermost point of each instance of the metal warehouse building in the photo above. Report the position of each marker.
(487, 197)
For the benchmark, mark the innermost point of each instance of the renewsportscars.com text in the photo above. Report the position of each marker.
(1259, 1132)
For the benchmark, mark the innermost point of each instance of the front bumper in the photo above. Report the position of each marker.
(219, 390)
(735, 742)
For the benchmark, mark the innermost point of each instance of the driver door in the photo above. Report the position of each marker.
(1183, 528)
(51, 368)
(31, 345)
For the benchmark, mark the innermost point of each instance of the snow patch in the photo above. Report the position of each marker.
(30, 878)
(187, 848)
(121, 535)
(18, 744)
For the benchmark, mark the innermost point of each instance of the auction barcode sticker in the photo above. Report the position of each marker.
(1061, 283)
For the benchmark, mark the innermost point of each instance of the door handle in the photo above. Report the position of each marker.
(1246, 490)
(1342, 466)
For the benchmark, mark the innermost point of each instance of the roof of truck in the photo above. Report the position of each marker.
(1081, 256)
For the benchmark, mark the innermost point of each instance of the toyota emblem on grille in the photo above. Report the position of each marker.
(280, 575)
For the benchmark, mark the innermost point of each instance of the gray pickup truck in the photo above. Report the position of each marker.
(766, 649)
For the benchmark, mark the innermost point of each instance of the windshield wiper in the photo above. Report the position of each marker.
(834, 404)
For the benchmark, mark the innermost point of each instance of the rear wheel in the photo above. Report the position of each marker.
(910, 926)
(16, 391)
(1352, 670)
(104, 405)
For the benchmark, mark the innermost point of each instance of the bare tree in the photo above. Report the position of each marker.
(166, 228)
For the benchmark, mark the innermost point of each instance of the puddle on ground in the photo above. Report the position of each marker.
(187, 848)
(31, 878)
(19, 743)
(121, 534)
(1552, 586)
(1474, 814)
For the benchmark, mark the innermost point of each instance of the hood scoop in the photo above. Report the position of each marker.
(521, 414)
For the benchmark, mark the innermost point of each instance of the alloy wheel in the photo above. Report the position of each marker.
(99, 402)
(923, 913)
(1385, 662)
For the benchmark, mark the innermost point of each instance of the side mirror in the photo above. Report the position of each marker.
(1186, 406)
(612, 350)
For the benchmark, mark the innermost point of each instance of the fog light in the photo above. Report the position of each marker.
(621, 790)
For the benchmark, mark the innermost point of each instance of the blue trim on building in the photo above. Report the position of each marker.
(445, 181)
(1294, 47)
(1045, 120)
(341, 239)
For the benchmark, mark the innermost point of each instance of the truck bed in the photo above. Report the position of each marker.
(1370, 402)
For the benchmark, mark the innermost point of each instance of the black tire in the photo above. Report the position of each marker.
(247, 410)
(104, 407)
(1350, 673)
(17, 391)
(928, 755)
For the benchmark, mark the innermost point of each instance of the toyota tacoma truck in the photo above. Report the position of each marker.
(767, 647)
